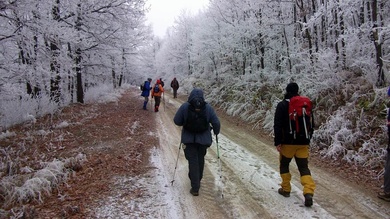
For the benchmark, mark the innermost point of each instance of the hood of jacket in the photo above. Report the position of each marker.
(196, 93)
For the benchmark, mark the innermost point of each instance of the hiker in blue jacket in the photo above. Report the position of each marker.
(196, 142)
(146, 92)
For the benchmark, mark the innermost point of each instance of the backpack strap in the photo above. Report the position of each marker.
(289, 121)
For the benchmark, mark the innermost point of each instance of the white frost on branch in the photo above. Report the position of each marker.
(33, 186)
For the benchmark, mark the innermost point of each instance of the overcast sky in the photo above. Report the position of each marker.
(163, 12)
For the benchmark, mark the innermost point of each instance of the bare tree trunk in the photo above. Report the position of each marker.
(324, 25)
(304, 13)
(377, 44)
(80, 91)
(113, 72)
(243, 64)
(55, 92)
(123, 68)
(213, 59)
(189, 63)
(342, 29)
(315, 28)
(79, 81)
(70, 76)
(336, 35)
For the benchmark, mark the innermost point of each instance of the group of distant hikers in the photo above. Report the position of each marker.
(293, 129)
(157, 92)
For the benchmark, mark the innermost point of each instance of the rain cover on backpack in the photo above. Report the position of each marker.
(197, 118)
(300, 114)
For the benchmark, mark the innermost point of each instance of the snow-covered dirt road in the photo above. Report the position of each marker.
(243, 182)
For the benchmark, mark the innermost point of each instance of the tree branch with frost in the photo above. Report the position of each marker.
(38, 183)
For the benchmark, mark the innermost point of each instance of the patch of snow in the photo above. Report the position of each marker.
(155, 200)
(7, 134)
(63, 124)
(42, 132)
(134, 126)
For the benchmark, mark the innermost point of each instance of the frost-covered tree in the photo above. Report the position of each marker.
(337, 51)
(55, 49)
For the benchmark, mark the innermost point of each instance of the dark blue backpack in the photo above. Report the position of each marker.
(197, 118)
(156, 89)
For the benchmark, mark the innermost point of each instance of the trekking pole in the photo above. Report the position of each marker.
(151, 99)
(177, 159)
(220, 166)
(163, 100)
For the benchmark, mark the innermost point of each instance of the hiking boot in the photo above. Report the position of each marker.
(284, 193)
(385, 196)
(194, 193)
(308, 200)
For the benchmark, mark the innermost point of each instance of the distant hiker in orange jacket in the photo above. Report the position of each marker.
(157, 92)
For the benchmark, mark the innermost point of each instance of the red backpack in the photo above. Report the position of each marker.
(301, 117)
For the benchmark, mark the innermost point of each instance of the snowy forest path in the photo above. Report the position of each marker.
(249, 179)
(130, 164)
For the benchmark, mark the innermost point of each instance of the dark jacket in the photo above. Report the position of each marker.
(203, 138)
(388, 127)
(175, 84)
(146, 90)
(388, 116)
(282, 125)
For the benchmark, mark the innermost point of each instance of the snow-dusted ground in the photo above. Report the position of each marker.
(243, 183)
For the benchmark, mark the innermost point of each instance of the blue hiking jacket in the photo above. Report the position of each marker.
(203, 138)
(147, 88)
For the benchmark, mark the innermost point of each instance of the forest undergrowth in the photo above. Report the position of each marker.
(61, 165)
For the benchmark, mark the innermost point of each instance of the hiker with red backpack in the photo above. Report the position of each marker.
(293, 128)
(157, 92)
(196, 116)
